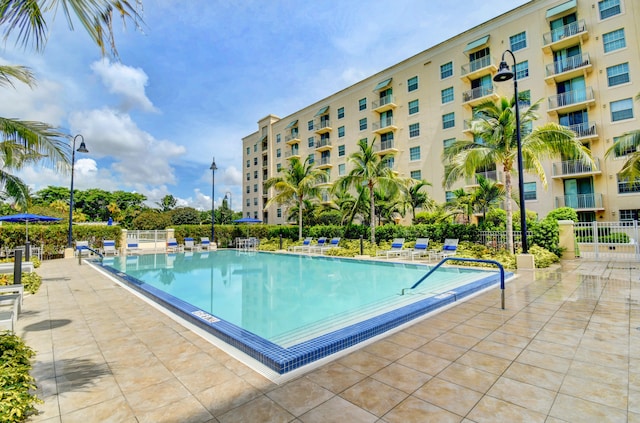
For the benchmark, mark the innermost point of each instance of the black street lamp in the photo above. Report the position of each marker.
(213, 195)
(227, 196)
(81, 149)
(504, 74)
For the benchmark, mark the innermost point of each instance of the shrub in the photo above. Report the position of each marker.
(543, 258)
(31, 281)
(546, 234)
(563, 213)
(16, 399)
(35, 260)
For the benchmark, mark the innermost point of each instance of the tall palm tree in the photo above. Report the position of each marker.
(628, 145)
(495, 142)
(369, 170)
(414, 197)
(462, 204)
(299, 182)
(487, 194)
(27, 17)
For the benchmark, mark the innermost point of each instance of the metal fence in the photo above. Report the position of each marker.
(497, 240)
(608, 240)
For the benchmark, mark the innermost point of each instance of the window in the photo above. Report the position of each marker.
(629, 214)
(248, 151)
(416, 174)
(414, 107)
(518, 41)
(414, 153)
(341, 150)
(388, 162)
(608, 8)
(255, 161)
(248, 202)
(255, 187)
(618, 74)
(447, 95)
(248, 163)
(278, 167)
(363, 124)
(522, 69)
(278, 153)
(255, 147)
(340, 112)
(448, 120)
(414, 130)
(362, 104)
(449, 196)
(341, 132)
(614, 40)
(311, 142)
(412, 84)
(530, 192)
(255, 174)
(310, 125)
(312, 158)
(248, 176)
(625, 147)
(625, 187)
(446, 70)
(341, 169)
(278, 138)
(621, 109)
(248, 189)
(255, 201)
(279, 212)
(446, 143)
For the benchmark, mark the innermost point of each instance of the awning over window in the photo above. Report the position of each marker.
(383, 84)
(322, 111)
(292, 124)
(477, 43)
(561, 8)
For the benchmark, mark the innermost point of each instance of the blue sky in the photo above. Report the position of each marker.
(201, 73)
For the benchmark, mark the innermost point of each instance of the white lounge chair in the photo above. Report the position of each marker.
(318, 247)
(205, 244)
(332, 244)
(109, 248)
(449, 249)
(173, 246)
(306, 244)
(82, 248)
(420, 249)
(396, 250)
(27, 267)
(190, 244)
(133, 247)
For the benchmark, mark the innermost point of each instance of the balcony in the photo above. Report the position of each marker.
(383, 104)
(291, 154)
(573, 168)
(496, 176)
(467, 125)
(478, 95)
(322, 126)
(385, 147)
(566, 36)
(323, 144)
(324, 163)
(292, 139)
(581, 202)
(563, 70)
(384, 125)
(585, 130)
(571, 101)
(477, 68)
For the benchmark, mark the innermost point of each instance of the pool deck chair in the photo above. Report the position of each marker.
(306, 244)
(322, 241)
(420, 249)
(332, 244)
(109, 248)
(82, 247)
(205, 244)
(133, 247)
(190, 244)
(396, 250)
(173, 246)
(449, 249)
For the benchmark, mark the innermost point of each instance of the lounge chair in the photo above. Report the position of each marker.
(318, 247)
(332, 244)
(133, 247)
(306, 244)
(420, 249)
(205, 244)
(27, 267)
(173, 246)
(190, 244)
(82, 248)
(7, 319)
(396, 249)
(12, 300)
(109, 248)
(449, 249)
(13, 289)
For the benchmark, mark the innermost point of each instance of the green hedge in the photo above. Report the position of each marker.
(17, 400)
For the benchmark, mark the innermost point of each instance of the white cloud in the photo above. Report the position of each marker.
(125, 81)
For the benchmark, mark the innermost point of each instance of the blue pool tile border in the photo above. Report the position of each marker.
(283, 360)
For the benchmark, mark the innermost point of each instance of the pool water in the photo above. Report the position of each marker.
(287, 302)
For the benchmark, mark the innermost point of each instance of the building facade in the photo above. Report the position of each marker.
(581, 57)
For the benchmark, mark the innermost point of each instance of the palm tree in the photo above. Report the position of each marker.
(462, 204)
(487, 194)
(628, 145)
(298, 183)
(370, 170)
(414, 197)
(27, 17)
(495, 142)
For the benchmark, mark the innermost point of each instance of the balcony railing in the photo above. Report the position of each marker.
(566, 65)
(477, 92)
(566, 31)
(383, 123)
(292, 138)
(580, 201)
(584, 129)
(571, 97)
(383, 101)
(323, 143)
(324, 161)
(477, 64)
(384, 145)
(292, 153)
(492, 175)
(573, 167)
(321, 124)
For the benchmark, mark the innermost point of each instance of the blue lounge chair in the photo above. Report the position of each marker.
(173, 246)
(306, 244)
(396, 250)
(82, 248)
(319, 245)
(420, 249)
(133, 247)
(190, 244)
(205, 244)
(109, 248)
(449, 249)
(332, 244)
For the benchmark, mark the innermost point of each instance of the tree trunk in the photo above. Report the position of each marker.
(372, 203)
(300, 219)
(508, 209)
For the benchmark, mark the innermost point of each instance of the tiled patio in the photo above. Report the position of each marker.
(564, 350)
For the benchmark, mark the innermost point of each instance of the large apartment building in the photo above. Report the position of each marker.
(580, 56)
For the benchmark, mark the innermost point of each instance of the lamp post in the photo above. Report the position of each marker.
(81, 149)
(213, 195)
(504, 74)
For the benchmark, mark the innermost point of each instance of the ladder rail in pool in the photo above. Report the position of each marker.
(467, 260)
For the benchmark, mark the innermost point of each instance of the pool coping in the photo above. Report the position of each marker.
(282, 360)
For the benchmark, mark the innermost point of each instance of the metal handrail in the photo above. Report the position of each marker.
(468, 260)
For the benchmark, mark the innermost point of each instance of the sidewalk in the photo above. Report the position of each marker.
(565, 349)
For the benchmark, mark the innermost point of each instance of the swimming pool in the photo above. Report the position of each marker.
(288, 310)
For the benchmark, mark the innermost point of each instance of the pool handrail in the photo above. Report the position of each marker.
(468, 260)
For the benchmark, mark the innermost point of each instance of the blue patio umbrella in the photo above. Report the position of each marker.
(248, 220)
(26, 218)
